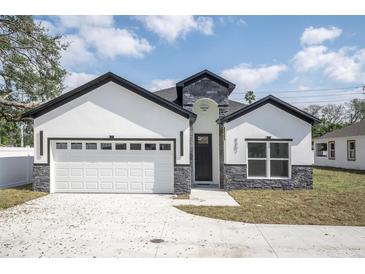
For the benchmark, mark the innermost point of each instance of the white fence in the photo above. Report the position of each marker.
(16, 166)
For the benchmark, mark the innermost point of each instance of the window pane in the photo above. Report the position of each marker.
(61, 145)
(257, 168)
(279, 150)
(256, 150)
(106, 146)
(331, 154)
(76, 145)
(91, 146)
(202, 140)
(165, 146)
(150, 146)
(279, 168)
(321, 149)
(121, 146)
(352, 145)
(135, 146)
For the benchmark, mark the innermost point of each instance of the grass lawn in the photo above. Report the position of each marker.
(338, 198)
(13, 196)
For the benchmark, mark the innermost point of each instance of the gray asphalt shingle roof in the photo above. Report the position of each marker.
(171, 95)
(355, 129)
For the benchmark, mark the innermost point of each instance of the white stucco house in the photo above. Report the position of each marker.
(342, 148)
(110, 135)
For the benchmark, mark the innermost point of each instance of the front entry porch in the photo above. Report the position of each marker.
(207, 196)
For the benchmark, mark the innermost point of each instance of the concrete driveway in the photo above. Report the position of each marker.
(121, 225)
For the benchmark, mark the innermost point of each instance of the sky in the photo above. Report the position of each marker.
(300, 59)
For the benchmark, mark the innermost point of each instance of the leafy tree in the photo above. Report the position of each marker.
(332, 117)
(356, 111)
(30, 70)
(250, 96)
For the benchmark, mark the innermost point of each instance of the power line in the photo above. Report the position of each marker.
(304, 90)
(315, 102)
(315, 95)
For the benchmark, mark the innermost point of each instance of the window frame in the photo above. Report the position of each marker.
(348, 150)
(76, 143)
(152, 148)
(91, 143)
(329, 150)
(131, 146)
(120, 144)
(268, 160)
(106, 144)
(316, 150)
(61, 143)
(161, 145)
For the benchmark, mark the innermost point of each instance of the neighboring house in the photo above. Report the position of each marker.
(111, 135)
(342, 148)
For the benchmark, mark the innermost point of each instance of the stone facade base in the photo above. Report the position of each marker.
(182, 179)
(236, 178)
(41, 178)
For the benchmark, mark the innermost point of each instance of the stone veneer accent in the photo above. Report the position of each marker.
(41, 178)
(236, 178)
(205, 88)
(182, 179)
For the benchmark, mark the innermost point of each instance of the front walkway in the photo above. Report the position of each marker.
(125, 225)
(207, 197)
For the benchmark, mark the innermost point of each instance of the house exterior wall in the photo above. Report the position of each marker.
(268, 120)
(340, 160)
(111, 110)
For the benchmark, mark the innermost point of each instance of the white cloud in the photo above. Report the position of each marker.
(345, 65)
(111, 42)
(248, 77)
(77, 53)
(315, 36)
(228, 19)
(173, 27)
(79, 21)
(75, 79)
(158, 84)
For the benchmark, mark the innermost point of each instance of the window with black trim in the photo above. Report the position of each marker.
(351, 150)
(332, 151)
(149, 146)
(121, 146)
(106, 146)
(76, 146)
(321, 150)
(268, 159)
(135, 146)
(61, 145)
(165, 146)
(91, 146)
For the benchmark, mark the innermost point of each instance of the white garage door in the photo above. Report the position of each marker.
(112, 166)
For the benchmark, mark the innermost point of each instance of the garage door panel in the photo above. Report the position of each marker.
(121, 171)
(106, 185)
(91, 172)
(106, 172)
(91, 185)
(76, 172)
(136, 186)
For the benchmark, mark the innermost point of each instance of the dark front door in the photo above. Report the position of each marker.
(203, 157)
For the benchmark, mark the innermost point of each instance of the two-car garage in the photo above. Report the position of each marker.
(112, 166)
